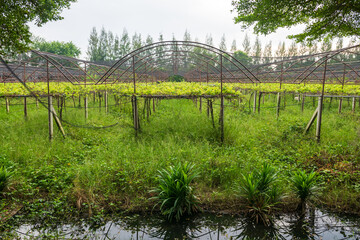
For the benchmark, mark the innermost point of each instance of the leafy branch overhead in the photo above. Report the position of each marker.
(322, 18)
(15, 16)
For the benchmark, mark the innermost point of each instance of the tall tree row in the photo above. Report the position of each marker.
(104, 46)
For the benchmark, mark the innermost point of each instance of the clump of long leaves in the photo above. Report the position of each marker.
(174, 193)
(261, 193)
(4, 178)
(305, 186)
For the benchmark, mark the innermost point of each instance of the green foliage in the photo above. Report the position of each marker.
(174, 192)
(261, 193)
(242, 57)
(60, 48)
(4, 178)
(112, 170)
(304, 185)
(16, 14)
(323, 19)
(176, 78)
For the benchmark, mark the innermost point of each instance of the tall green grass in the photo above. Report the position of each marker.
(174, 193)
(111, 168)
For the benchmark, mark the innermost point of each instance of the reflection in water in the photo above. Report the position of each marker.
(314, 225)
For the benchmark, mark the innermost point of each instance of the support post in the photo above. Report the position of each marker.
(7, 105)
(134, 101)
(153, 101)
(278, 101)
(260, 93)
(318, 123)
(57, 121)
(51, 122)
(340, 104)
(50, 115)
(255, 101)
(311, 120)
(86, 107)
(320, 104)
(135, 114)
(200, 108)
(106, 101)
(353, 105)
(25, 107)
(222, 102)
(302, 102)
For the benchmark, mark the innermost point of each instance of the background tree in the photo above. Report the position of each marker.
(92, 51)
(233, 46)
(136, 41)
(323, 18)
(242, 57)
(209, 40)
(281, 51)
(257, 51)
(187, 49)
(303, 49)
(60, 48)
(15, 15)
(326, 46)
(102, 46)
(222, 45)
(267, 54)
(246, 44)
(293, 50)
(125, 44)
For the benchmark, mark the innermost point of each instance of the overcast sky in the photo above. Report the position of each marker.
(199, 17)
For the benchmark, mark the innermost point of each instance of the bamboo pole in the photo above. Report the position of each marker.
(25, 108)
(7, 102)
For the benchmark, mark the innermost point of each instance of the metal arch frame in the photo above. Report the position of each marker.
(166, 59)
(169, 51)
(172, 58)
(138, 51)
(160, 61)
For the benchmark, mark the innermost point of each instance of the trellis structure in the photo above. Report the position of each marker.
(196, 62)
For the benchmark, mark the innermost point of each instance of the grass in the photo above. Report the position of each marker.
(109, 169)
(305, 186)
(260, 191)
(174, 193)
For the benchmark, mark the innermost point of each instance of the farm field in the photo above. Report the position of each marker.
(97, 170)
(174, 89)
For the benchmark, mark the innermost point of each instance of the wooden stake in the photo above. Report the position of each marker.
(255, 100)
(61, 106)
(208, 108)
(135, 115)
(106, 101)
(212, 113)
(222, 119)
(25, 107)
(7, 105)
(278, 105)
(319, 118)
(200, 108)
(302, 102)
(260, 94)
(153, 100)
(99, 102)
(86, 107)
(311, 120)
(57, 121)
(340, 105)
(353, 105)
(50, 118)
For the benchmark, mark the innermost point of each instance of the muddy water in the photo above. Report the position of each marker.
(315, 225)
